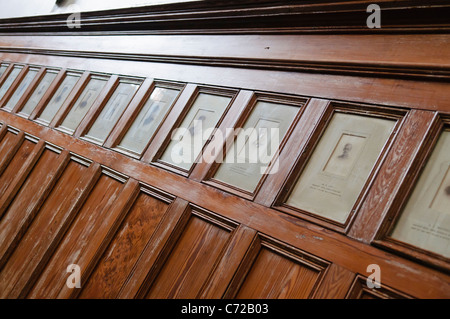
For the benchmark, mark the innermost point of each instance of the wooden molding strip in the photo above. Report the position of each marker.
(247, 16)
(369, 69)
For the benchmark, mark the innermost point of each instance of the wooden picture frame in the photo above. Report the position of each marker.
(336, 204)
(108, 113)
(37, 92)
(193, 114)
(67, 84)
(415, 222)
(145, 118)
(248, 117)
(69, 117)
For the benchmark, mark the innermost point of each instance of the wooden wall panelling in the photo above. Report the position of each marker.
(273, 270)
(29, 90)
(14, 85)
(54, 218)
(27, 201)
(71, 99)
(410, 138)
(109, 198)
(48, 94)
(422, 282)
(360, 290)
(11, 140)
(191, 261)
(335, 284)
(143, 273)
(242, 240)
(295, 146)
(231, 120)
(125, 248)
(186, 98)
(97, 107)
(18, 170)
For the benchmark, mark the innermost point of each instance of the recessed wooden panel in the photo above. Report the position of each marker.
(275, 276)
(22, 209)
(15, 164)
(125, 249)
(272, 270)
(93, 213)
(52, 220)
(9, 142)
(191, 261)
(360, 290)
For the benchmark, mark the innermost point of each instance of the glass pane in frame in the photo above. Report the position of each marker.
(188, 140)
(425, 220)
(3, 68)
(9, 80)
(59, 97)
(112, 111)
(256, 145)
(26, 81)
(340, 165)
(148, 119)
(83, 104)
(39, 92)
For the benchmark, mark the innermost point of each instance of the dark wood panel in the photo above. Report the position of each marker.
(126, 247)
(101, 199)
(53, 219)
(350, 254)
(191, 261)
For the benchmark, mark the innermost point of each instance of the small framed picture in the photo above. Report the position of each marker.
(328, 182)
(197, 126)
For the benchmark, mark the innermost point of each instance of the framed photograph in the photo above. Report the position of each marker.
(424, 222)
(148, 120)
(20, 90)
(334, 176)
(256, 145)
(112, 111)
(9, 80)
(195, 129)
(59, 97)
(38, 93)
(83, 103)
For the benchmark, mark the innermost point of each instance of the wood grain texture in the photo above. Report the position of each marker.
(28, 199)
(53, 219)
(335, 284)
(273, 276)
(191, 261)
(53, 278)
(348, 253)
(124, 250)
